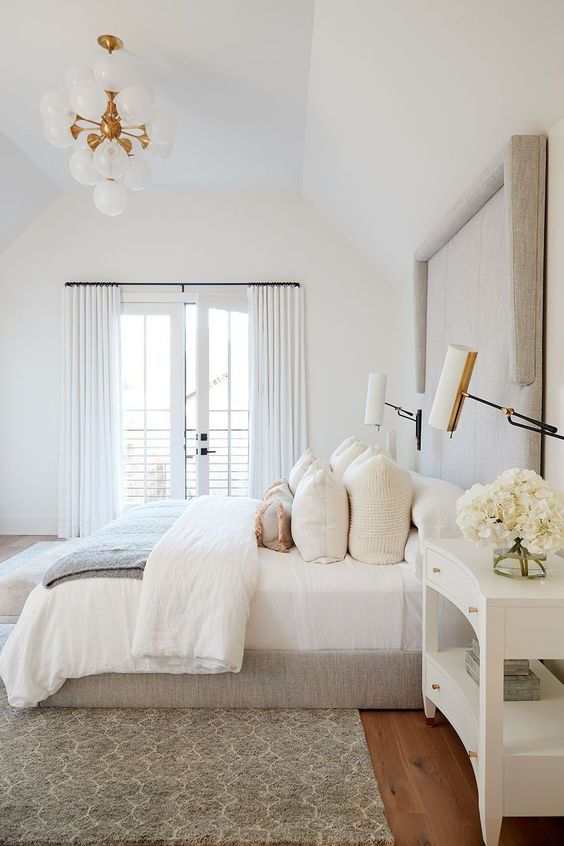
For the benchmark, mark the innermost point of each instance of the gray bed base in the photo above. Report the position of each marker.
(378, 679)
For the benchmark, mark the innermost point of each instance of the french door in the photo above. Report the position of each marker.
(185, 399)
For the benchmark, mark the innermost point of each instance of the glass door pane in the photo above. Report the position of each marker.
(146, 397)
(191, 401)
(228, 402)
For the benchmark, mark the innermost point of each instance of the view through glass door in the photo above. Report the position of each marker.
(185, 399)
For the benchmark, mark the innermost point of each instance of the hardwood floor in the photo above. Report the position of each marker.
(429, 790)
(425, 777)
(12, 544)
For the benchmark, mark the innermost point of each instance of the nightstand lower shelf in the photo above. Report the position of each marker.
(533, 733)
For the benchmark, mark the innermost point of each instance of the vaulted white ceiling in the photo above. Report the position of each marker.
(380, 111)
(235, 72)
(408, 102)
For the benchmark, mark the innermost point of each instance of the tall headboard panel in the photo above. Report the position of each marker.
(479, 282)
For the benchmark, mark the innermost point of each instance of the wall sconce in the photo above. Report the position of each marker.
(452, 390)
(376, 400)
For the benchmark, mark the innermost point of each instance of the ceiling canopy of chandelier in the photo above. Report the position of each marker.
(110, 121)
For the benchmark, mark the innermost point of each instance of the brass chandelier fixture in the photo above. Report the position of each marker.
(110, 121)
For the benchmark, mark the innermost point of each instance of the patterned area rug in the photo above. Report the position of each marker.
(113, 777)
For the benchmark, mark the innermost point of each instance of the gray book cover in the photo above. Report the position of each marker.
(516, 688)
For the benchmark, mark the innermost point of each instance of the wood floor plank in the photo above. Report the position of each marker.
(428, 788)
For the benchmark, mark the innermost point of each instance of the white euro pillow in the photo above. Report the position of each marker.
(380, 496)
(433, 510)
(320, 516)
(345, 454)
(297, 472)
(342, 447)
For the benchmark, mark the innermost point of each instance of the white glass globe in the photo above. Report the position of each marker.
(110, 197)
(58, 136)
(110, 159)
(56, 108)
(88, 99)
(158, 152)
(161, 129)
(134, 105)
(82, 167)
(77, 74)
(113, 71)
(137, 174)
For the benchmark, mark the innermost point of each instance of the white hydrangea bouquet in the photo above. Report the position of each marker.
(520, 515)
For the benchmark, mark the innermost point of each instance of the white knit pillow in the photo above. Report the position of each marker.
(296, 473)
(380, 496)
(320, 516)
(344, 456)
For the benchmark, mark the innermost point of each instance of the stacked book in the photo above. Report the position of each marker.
(519, 682)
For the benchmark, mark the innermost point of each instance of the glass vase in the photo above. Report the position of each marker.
(516, 562)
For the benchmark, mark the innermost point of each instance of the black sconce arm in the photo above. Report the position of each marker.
(416, 417)
(539, 426)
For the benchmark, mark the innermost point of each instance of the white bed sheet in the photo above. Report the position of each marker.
(86, 626)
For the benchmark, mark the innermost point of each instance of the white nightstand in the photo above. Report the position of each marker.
(516, 748)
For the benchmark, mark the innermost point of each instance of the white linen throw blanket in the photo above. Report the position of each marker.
(198, 585)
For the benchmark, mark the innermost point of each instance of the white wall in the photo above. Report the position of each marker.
(409, 101)
(352, 316)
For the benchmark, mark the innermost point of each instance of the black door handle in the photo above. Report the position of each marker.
(206, 451)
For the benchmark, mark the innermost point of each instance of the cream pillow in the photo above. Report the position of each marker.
(273, 521)
(367, 452)
(296, 473)
(346, 456)
(320, 516)
(380, 496)
(342, 447)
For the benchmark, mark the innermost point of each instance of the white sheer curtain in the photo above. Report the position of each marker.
(278, 419)
(89, 478)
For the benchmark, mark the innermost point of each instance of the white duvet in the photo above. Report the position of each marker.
(198, 585)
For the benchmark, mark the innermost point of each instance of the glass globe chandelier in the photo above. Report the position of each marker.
(112, 125)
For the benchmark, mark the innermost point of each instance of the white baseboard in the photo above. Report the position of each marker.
(28, 525)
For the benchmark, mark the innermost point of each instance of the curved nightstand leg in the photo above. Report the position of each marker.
(430, 710)
(491, 827)
(490, 735)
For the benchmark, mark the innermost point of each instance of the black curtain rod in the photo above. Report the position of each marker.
(183, 285)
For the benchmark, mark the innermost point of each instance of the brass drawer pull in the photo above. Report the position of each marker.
(472, 754)
(472, 609)
(436, 569)
(436, 686)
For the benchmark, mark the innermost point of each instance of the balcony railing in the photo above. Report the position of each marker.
(146, 464)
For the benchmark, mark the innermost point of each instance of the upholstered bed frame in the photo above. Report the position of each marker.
(268, 679)
(479, 282)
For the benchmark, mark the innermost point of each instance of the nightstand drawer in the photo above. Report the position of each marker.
(454, 583)
(441, 689)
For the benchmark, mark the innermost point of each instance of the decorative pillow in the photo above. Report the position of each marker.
(320, 516)
(368, 452)
(380, 496)
(300, 467)
(433, 510)
(273, 522)
(345, 454)
(342, 447)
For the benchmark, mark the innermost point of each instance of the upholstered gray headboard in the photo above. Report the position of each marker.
(479, 282)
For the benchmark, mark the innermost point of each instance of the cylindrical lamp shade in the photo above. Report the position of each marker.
(375, 398)
(454, 381)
